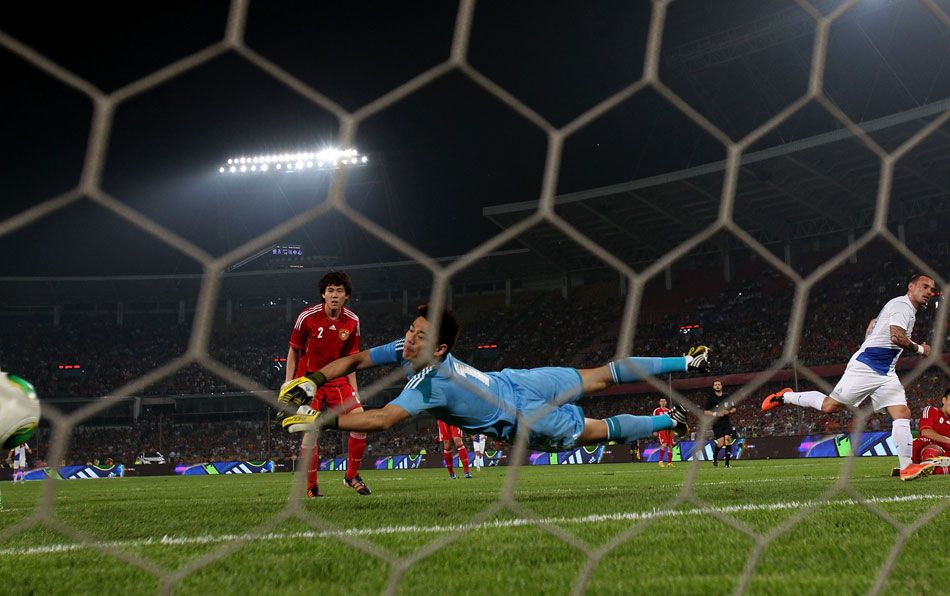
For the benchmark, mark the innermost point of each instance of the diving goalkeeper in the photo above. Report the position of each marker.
(492, 403)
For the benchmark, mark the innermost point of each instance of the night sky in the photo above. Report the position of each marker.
(437, 157)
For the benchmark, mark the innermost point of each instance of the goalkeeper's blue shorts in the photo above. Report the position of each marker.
(538, 389)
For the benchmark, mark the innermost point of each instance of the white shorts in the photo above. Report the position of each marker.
(478, 446)
(17, 464)
(859, 381)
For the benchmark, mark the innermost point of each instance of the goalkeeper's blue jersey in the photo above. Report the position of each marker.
(455, 392)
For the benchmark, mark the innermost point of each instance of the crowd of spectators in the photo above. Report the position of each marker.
(235, 440)
(745, 322)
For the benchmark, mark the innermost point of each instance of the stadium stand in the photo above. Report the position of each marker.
(540, 328)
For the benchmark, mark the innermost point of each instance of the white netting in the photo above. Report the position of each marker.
(105, 106)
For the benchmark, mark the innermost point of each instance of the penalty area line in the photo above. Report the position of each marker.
(498, 524)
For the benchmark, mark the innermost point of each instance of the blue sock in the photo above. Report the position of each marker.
(625, 428)
(622, 371)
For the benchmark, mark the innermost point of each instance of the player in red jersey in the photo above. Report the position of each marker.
(665, 436)
(322, 334)
(933, 441)
(448, 434)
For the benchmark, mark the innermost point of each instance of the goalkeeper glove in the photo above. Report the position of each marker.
(306, 419)
(298, 392)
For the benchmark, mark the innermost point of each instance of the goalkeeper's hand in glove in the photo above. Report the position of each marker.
(699, 362)
(298, 392)
(306, 419)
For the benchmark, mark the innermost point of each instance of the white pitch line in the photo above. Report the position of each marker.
(587, 519)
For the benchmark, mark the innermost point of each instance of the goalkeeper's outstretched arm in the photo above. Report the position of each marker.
(372, 420)
(342, 367)
(357, 421)
(300, 391)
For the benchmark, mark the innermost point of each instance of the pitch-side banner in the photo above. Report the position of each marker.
(229, 467)
(831, 445)
(76, 472)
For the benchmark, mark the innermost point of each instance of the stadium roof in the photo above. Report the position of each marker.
(376, 278)
(818, 186)
(639, 197)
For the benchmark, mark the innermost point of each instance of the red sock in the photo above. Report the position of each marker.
(354, 454)
(314, 466)
(447, 456)
(941, 470)
(669, 455)
(463, 457)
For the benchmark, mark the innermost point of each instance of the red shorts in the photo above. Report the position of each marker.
(342, 398)
(665, 437)
(921, 443)
(447, 432)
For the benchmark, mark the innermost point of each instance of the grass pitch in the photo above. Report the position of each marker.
(595, 529)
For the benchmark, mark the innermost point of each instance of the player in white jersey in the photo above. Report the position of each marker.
(18, 454)
(870, 373)
(478, 445)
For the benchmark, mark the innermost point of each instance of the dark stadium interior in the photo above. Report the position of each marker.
(451, 167)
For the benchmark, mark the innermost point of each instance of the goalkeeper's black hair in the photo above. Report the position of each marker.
(448, 329)
(336, 278)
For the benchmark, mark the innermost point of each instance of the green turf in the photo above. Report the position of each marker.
(606, 528)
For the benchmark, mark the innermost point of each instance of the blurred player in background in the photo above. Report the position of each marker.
(322, 334)
(665, 436)
(478, 446)
(718, 406)
(451, 434)
(18, 454)
(493, 403)
(933, 441)
(870, 373)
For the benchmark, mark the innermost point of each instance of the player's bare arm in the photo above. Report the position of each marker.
(867, 331)
(290, 370)
(346, 366)
(372, 420)
(362, 421)
(899, 337)
(934, 435)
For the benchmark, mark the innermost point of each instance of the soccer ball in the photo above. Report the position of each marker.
(19, 410)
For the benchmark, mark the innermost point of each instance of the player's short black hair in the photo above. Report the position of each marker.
(336, 278)
(947, 392)
(448, 329)
(917, 276)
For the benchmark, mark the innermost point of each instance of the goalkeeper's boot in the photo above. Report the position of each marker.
(314, 491)
(914, 471)
(775, 400)
(294, 394)
(679, 417)
(357, 484)
(700, 360)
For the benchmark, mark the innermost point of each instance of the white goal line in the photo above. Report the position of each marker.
(499, 524)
